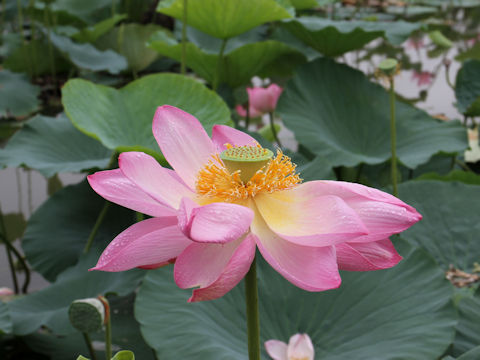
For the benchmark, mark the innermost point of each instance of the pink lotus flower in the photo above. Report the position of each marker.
(227, 195)
(261, 100)
(299, 347)
(422, 78)
(5, 291)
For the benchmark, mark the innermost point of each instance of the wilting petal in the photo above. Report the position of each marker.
(375, 255)
(300, 347)
(214, 223)
(382, 213)
(183, 142)
(306, 219)
(202, 264)
(222, 134)
(149, 242)
(151, 177)
(276, 349)
(235, 271)
(114, 186)
(309, 268)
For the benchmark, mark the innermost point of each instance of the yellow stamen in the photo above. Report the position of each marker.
(216, 182)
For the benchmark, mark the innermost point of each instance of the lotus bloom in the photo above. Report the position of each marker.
(299, 347)
(422, 78)
(226, 196)
(261, 100)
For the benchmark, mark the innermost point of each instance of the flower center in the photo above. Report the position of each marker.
(246, 159)
(241, 172)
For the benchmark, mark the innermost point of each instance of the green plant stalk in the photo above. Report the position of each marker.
(393, 136)
(88, 342)
(253, 320)
(46, 18)
(20, 20)
(272, 126)
(216, 82)
(8, 248)
(108, 333)
(94, 231)
(183, 65)
(12, 266)
(2, 19)
(32, 36)
(247, 117)
(11, 249)
(113, 14)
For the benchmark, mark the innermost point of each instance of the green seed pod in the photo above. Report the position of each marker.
(87, 315)
(388, 66)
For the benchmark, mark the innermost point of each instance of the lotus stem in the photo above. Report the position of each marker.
(247, 117)
(8, 248)
(108, 328)
(253, 321)
(88, 342)
(274, 131)
(216, 82)
(184, 38)
(94, 231)
(393, 135)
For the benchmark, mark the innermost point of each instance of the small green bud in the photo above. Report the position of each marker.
(87, 315)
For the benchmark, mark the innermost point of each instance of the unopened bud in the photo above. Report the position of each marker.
(87, 315)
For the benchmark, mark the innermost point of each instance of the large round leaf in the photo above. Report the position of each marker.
(239, 65)
(333, 38)
(49, 307)
(337, 113)
(122, 119)
(17, 96)
(467, 88)
(53, 145)
(73, 212)
(448, 230)
(468, 328)
(86, 56)
(5, 323)
(378, 315)
(129, 40)
(227, 18)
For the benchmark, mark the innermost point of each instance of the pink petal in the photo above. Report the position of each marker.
(117, 188)
(235, 271)
(309, 268)
(375, 255)
(145, 172)
(202, 264)
(382, 213)
(300, 347)
(222, 134)
(276, 349)
(214, 223)
(183, 142)
(150, 242)
(300, 217)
